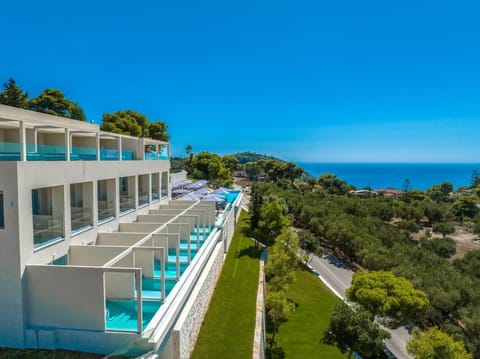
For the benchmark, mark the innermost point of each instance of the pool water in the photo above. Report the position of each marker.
(231, 196)
(121, 315)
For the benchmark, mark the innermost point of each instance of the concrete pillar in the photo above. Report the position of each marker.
(67, 144)
(97, 145)
(23, 144)
(35, 139)
(119, 139)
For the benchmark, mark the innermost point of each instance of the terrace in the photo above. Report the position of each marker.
(125, 277)
(32, 136)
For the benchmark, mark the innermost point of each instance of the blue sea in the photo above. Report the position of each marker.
(385, 175)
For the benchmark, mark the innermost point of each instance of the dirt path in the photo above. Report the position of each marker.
(466, 241)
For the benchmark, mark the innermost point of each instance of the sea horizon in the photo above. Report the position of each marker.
(421, 175)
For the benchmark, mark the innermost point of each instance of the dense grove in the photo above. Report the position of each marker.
(376, 233)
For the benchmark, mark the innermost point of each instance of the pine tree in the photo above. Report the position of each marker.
(13, 95)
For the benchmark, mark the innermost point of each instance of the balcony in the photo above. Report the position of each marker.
(47, 228)
(81, 219)
(106, 210)
(127, 203)
(11, 151)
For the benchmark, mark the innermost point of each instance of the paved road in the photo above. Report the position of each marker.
(338, 277)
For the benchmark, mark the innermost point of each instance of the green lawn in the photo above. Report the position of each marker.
(299, 337)
(228, 328)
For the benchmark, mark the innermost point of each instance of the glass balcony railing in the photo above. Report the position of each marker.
(150, 155)
(46, 228)
(113, 155)
(163, 153)
(143, 198)
(81, 218)
(10, 151)
(45, 153)
(126, 203)
(106, 210)
(164, 192)
(83, 153)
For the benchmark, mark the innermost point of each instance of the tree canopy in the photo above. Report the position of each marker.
(434, 343)
(332, 184)
(133, 123)
(280, 274)
(384, 294)
(272, 220)
(353, 329)
(210, 166)
(443, 228)
(13, 95)
(53, 102)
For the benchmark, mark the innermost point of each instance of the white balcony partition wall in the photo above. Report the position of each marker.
(47, 297)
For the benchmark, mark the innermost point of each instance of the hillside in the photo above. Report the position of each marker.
(244, 157)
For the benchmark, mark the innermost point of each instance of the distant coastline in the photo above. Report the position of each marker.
(393, 175)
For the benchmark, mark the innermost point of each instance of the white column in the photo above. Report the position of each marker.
(97, 144)
(119, 148)
(23, 145)
(67, 144)
(35, 139)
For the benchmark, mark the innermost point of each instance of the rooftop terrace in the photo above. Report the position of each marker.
(32, 136)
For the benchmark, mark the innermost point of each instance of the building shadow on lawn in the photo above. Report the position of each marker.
(253, 252)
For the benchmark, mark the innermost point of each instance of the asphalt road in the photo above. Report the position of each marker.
(338, 276)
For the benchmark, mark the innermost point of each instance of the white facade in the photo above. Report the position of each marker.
(86, 229)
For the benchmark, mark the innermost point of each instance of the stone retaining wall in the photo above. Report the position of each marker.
(187, 328)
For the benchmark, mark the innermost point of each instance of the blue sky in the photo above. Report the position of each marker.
(336, 81)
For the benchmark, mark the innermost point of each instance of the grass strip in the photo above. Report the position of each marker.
(299, 336)
(228, 328)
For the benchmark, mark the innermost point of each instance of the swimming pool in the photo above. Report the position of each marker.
(121, 314)
(231, 196)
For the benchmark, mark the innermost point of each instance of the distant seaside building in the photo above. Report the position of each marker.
(363, 193)
(389, 192)
(94, 256)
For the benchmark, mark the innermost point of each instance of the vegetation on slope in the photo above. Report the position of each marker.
(381, 233)
(245, 157)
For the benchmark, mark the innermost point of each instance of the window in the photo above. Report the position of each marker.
(106, 199)
(80, 206)
(164, 185)
(2, 215)
(47, 213)
(143, 194)
(155, 181)
(127, 194)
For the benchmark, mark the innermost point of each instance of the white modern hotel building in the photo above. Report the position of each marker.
(93, 254)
